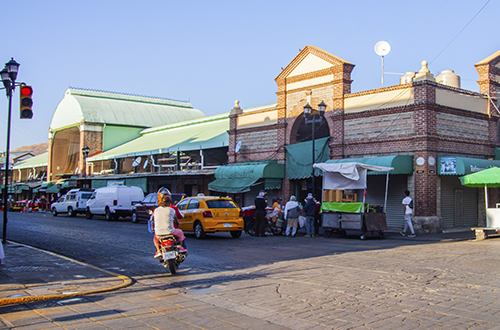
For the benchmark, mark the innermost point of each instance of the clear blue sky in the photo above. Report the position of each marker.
(214, 52)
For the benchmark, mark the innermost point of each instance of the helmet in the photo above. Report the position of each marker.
(164, 196)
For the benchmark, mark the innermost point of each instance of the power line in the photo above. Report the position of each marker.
(460, 31)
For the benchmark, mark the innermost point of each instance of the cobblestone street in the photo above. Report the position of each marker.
(452, 285)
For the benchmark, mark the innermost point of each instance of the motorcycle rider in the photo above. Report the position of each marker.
(164, 217)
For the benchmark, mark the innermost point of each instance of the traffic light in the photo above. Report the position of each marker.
(26, 102)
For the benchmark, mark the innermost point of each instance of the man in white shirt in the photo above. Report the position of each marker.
(408, 211)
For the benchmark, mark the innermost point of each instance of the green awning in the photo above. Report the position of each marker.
(232, 185)
(43, 187)
(99, 183)
(271, 183)
(299, 158)
(137, 182)
(402, 164)
(237, 178)
(452, 165)
(52, 189)
(16, 189)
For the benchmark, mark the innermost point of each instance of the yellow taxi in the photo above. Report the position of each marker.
(210, 214)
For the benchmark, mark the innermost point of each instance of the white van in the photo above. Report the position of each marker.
(113, 202)
(75, 201)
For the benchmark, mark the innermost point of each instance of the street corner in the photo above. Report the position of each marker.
(29, 274)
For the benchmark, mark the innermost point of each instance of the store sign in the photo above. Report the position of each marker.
(448, 165)
(115, 183)
(474, 168)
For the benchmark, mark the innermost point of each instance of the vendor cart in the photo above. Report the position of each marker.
(341, 216)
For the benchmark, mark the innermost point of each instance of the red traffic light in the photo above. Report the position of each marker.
(26, 90)
(26, 102)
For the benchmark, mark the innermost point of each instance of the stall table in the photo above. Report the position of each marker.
(339, 217)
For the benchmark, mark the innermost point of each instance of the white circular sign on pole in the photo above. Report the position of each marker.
(382, 48)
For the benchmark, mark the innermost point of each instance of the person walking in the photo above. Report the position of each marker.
(310, 211)
(291, 216)
(408, 211)
(260, 214)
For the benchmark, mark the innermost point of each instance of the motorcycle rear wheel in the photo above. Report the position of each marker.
(250, 227)
(172, 266)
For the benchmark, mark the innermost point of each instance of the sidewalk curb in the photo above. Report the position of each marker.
(127, 281)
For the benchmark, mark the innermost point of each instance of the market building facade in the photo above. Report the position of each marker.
(428, 128)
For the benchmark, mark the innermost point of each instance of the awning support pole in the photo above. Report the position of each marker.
(486, 201)
(386, 189)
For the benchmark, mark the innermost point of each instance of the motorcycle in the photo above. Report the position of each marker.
(273, 225)
(170, 255)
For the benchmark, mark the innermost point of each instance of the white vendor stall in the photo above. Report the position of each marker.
(351, 215)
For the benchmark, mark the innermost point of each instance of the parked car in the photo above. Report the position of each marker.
(113, 202)
(210, 214)
(140, 211)
(73, 202)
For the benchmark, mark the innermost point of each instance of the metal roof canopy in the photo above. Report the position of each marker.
(37, 161)
(207, 134)
(82, 105)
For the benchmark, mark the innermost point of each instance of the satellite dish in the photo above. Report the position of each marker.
(238, 147)
(145, 164)
(382, 48)
(136, 161)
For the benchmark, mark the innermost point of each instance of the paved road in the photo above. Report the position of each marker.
(125, 246)
(279, 283)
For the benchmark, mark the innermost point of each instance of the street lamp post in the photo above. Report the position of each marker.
(9, 75)
(85, 152)
(312, 117)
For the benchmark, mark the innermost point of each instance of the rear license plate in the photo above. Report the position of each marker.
(169, 255)
(227, 225)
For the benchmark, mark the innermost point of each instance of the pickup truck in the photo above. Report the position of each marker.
(73, 202)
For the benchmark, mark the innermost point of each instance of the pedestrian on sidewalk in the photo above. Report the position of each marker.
(408, 211)
(291, 215)
(310, 211)
(260, 214)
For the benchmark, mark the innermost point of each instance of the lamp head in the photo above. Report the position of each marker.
(85, 151)
(12, 67)
(307, 110)
(322, 108)
(5, 78)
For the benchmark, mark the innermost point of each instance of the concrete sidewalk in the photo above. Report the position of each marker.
(28, 274)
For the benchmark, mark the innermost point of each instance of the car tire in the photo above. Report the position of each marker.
(71, 212)
(134, 217)
(88, 214)
(54, 212)
(198, 230)
(108, 215)
(236, 233)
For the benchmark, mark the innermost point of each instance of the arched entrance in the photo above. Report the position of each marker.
(302, 133)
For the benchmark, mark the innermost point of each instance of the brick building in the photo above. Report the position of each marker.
(428, 128)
